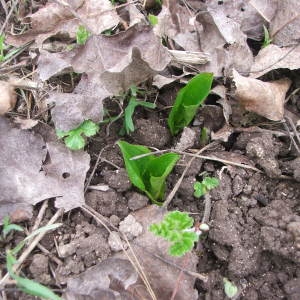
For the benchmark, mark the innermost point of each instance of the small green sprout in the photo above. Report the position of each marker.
(24, 284)
(82, 35)
(73, 138)
(207, 184)
(176, 227)
(188, 101)
(230, 288)
(148, 173)
(8, 227)
(153, 19)
(267, 40)
(3, 47)
(128, 126)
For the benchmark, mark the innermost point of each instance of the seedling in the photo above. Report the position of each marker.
(129, 110)
(24, 284)
(82, 35)
(188, 101)
(3, 47)
(267, 40)
(8, 227)
(177, 228)
(230, 288)
(148, 173)
(153, 19)
(207, 184)
(73, 138)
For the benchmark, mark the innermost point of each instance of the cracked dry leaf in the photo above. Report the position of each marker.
(111, 65)
(95, 15)
(25, 180)
(273, 57)
(8, 97)
(264, 98)
(285, 25)
(266, 8)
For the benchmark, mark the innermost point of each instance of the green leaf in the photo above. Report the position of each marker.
(175, 228)
(75, 142)
(188, 101)
(89, 128)
(267, 40)
(153, 19)
(199, 189)
(148, 173)
(42, 229)
(7, 227)
(82, 35)
(229, 288)
(211, 182)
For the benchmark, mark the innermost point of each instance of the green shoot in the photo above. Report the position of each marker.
(82, 35)
(207, 184)
(8, 227)
(148, 173)
(24, 284)
(3, 47)
(73, 138)
(176, 228)
(188, 101)
(267, 40)
(229, 288)
(153, 19)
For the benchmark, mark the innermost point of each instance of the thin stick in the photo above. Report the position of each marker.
(178, 183)
(102, 220)
(40, 216)
(8, 16)
(207, 208)
(32, 245)
(294, 128)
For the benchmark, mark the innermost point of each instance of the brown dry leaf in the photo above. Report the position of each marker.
(285, 25)
(54, 18)
(264, 98)
(8, 97)
(266, 8)
(273, 57)
(26, 123)
(25, 180)
(111, 64)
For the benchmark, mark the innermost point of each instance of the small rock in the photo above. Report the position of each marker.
(39, 268)
(117, 180)
(115, 243)
(187, 139)
(115, 220)
(136, 201)
(130, 227)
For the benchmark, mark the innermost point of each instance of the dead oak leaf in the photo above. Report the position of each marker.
(24, 178)
(8, 97)
(54, 18)
(111, 65)
(264, 98)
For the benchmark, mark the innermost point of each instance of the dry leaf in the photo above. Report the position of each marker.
(107, 72)
(26, 123)
(285, 25)
(266, 8)
(264, 98)
(273, 57)
(25, 180)
(8, 97)
(95, 15)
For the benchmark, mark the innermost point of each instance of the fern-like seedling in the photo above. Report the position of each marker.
(177, 228)
(207, 184)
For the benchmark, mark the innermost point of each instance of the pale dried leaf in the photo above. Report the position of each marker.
(25, 180)
(107, 72)
(8, 97)
(266, 8)
(273, 57)
(25, 123)
(285, 25)
(264, 98)
(95, 15)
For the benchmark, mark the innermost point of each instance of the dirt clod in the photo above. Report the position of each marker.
(117, 180)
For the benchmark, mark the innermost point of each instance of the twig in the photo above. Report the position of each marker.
(40, 216)
(30, 247)
(291, 137)
(207, 208)
(134, 261)
(8, 15)
(294, 128)
(202, 277)
(178, 183)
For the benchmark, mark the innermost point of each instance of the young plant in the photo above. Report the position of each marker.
(177, 228)
(148, 173)
(73, 138)
(267, 40)
(24, 284)
(82, 35)
(230, 288)
(8, 227)
(153, 19)
(188, 101)
(207, 184)
(129, 110)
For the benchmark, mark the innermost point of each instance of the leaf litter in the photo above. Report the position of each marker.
(35, 165)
